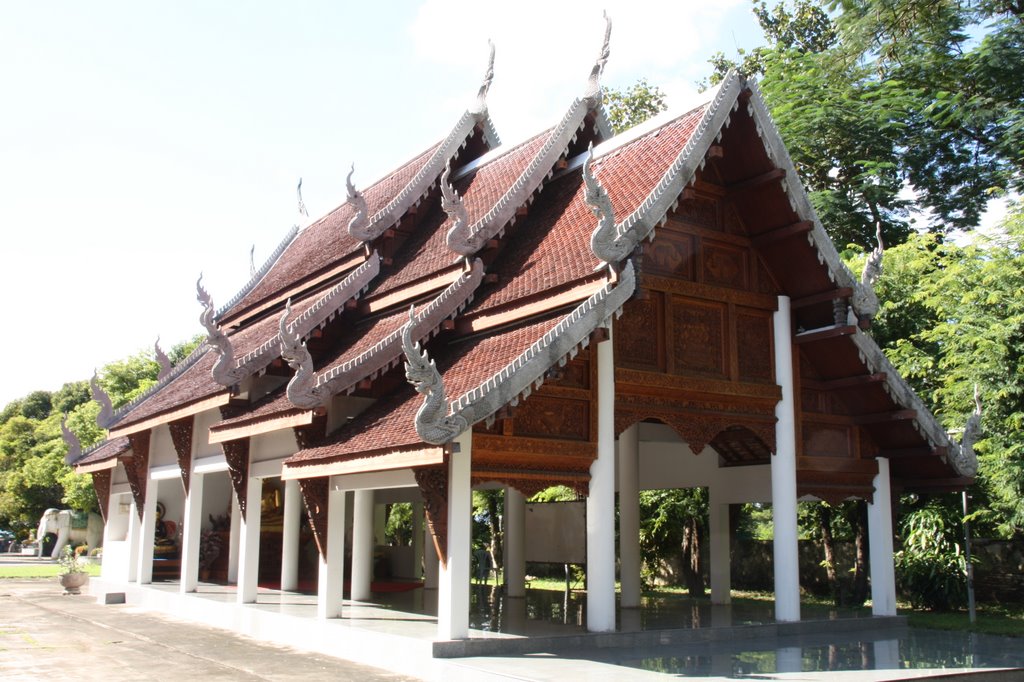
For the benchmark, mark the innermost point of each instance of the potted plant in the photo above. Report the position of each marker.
(72, 574)
(209, 550)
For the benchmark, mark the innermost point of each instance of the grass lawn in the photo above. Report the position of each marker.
(41, 571)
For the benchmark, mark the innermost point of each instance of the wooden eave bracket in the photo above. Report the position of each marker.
(884, 417)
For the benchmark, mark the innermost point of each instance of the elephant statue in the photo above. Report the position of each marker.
(69, 525)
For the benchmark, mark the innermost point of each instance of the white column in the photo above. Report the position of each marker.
(417, 540)
(883, 575)
(249, 544)
(234, 536)
(515, 543)
(629, 516)
(331, 578)
(290, 536)
(134, 537)
(601, 501)
(148, 533)
(721, 575)
(431, 564)
(453, 587)
(783, 468)
(193, 526)
(362, 545)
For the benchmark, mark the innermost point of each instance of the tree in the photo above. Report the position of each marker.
(633, 105)
(36, 405)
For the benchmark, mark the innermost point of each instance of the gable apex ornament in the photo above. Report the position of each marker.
(972, 430)
(593, 93)
(479, 110)
(162, 360)
(106, 416)
(864, 300)
(302, 204)
(433, 423)
(357, 227)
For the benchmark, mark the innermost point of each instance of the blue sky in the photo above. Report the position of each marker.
(144, 143)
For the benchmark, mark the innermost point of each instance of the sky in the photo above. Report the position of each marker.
(142, 144)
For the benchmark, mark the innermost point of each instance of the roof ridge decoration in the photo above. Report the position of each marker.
(365, 227)
(106, 417)
(960, 457)
(640, 224)
(521, 376)
(229, 371)
(179, 369)
(259, 274)
(466, 239)
(310, 390)
(606, 244)
(73, 443)
(162, 360)
(864, 300)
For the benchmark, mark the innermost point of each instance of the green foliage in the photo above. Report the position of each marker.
(931, 569)
(70, 396)
(125, 380)
(398, 529)
(557, 493)
(69, 562)
(633, 105)
(180, 351)
(36, 405)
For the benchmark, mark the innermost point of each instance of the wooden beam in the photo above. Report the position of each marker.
(756, 181)
(884, 417)
(784, 232)
(821, 297)
(846, 382)
(824, 334)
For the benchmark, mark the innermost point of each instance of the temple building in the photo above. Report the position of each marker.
(655, 309)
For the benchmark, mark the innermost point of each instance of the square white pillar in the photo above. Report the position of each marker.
(883, 572)
(453, 583)
(148, 533)
(629, 517)
(783, 469)
(331, 578)
(362, 545)
(249, 544)
(193, 526)
(721, 569)
(290, 536)
(417, 540)
(134, 538)
(515, 543)
(234, 535)
(431, 564)
(601, 501)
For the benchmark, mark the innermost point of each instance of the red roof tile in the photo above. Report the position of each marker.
(104, 451)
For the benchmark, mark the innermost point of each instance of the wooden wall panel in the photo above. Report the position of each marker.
(828, 440)
(672, 254)
(754, 345)
(639, 334)
(724, 264)
(698, 337)
(546, 417)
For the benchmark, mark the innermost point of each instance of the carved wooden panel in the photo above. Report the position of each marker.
(236, 452)
(101, 484)
(754, 346)
(316, 497)
(639, 333)
(699, 210)
(671, 253)
(136, 468)
(698, 338)
(827, 440)
(433, 484)
(540, 416)
(763, 282)
(724, 264)
(181, 436)
(732, 222)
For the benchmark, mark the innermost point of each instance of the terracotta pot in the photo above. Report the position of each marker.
(72, 582)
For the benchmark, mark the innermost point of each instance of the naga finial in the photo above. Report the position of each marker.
(451, 202)
(106, 415)
(593, 91)
(162, 360)
(252, 261)
(481, 96)
(873, 265)
(74, 445)
(604, 242)
(302, 204)
(223, 369)
(433, 424)
(360, 221)
(865, 300)
(294, 352)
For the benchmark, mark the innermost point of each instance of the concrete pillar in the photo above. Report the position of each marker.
(331, 577)
(193, 526)
(249, 544)
(290, 537)
(783, 468)
(515, 543)
(883, 575)
(362, 546)
(417, 540)
(789, 659)
(721, 574)
(148, 533)
(431, 564)
(453, 587)
(601, 501)
(134, 537)
(234, 536)
(629, 517)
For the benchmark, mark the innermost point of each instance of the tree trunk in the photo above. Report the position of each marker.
(495, 548)
(828, 545)
(692, 574)
(859, 592)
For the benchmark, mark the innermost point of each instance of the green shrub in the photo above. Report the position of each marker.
(931, 569)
